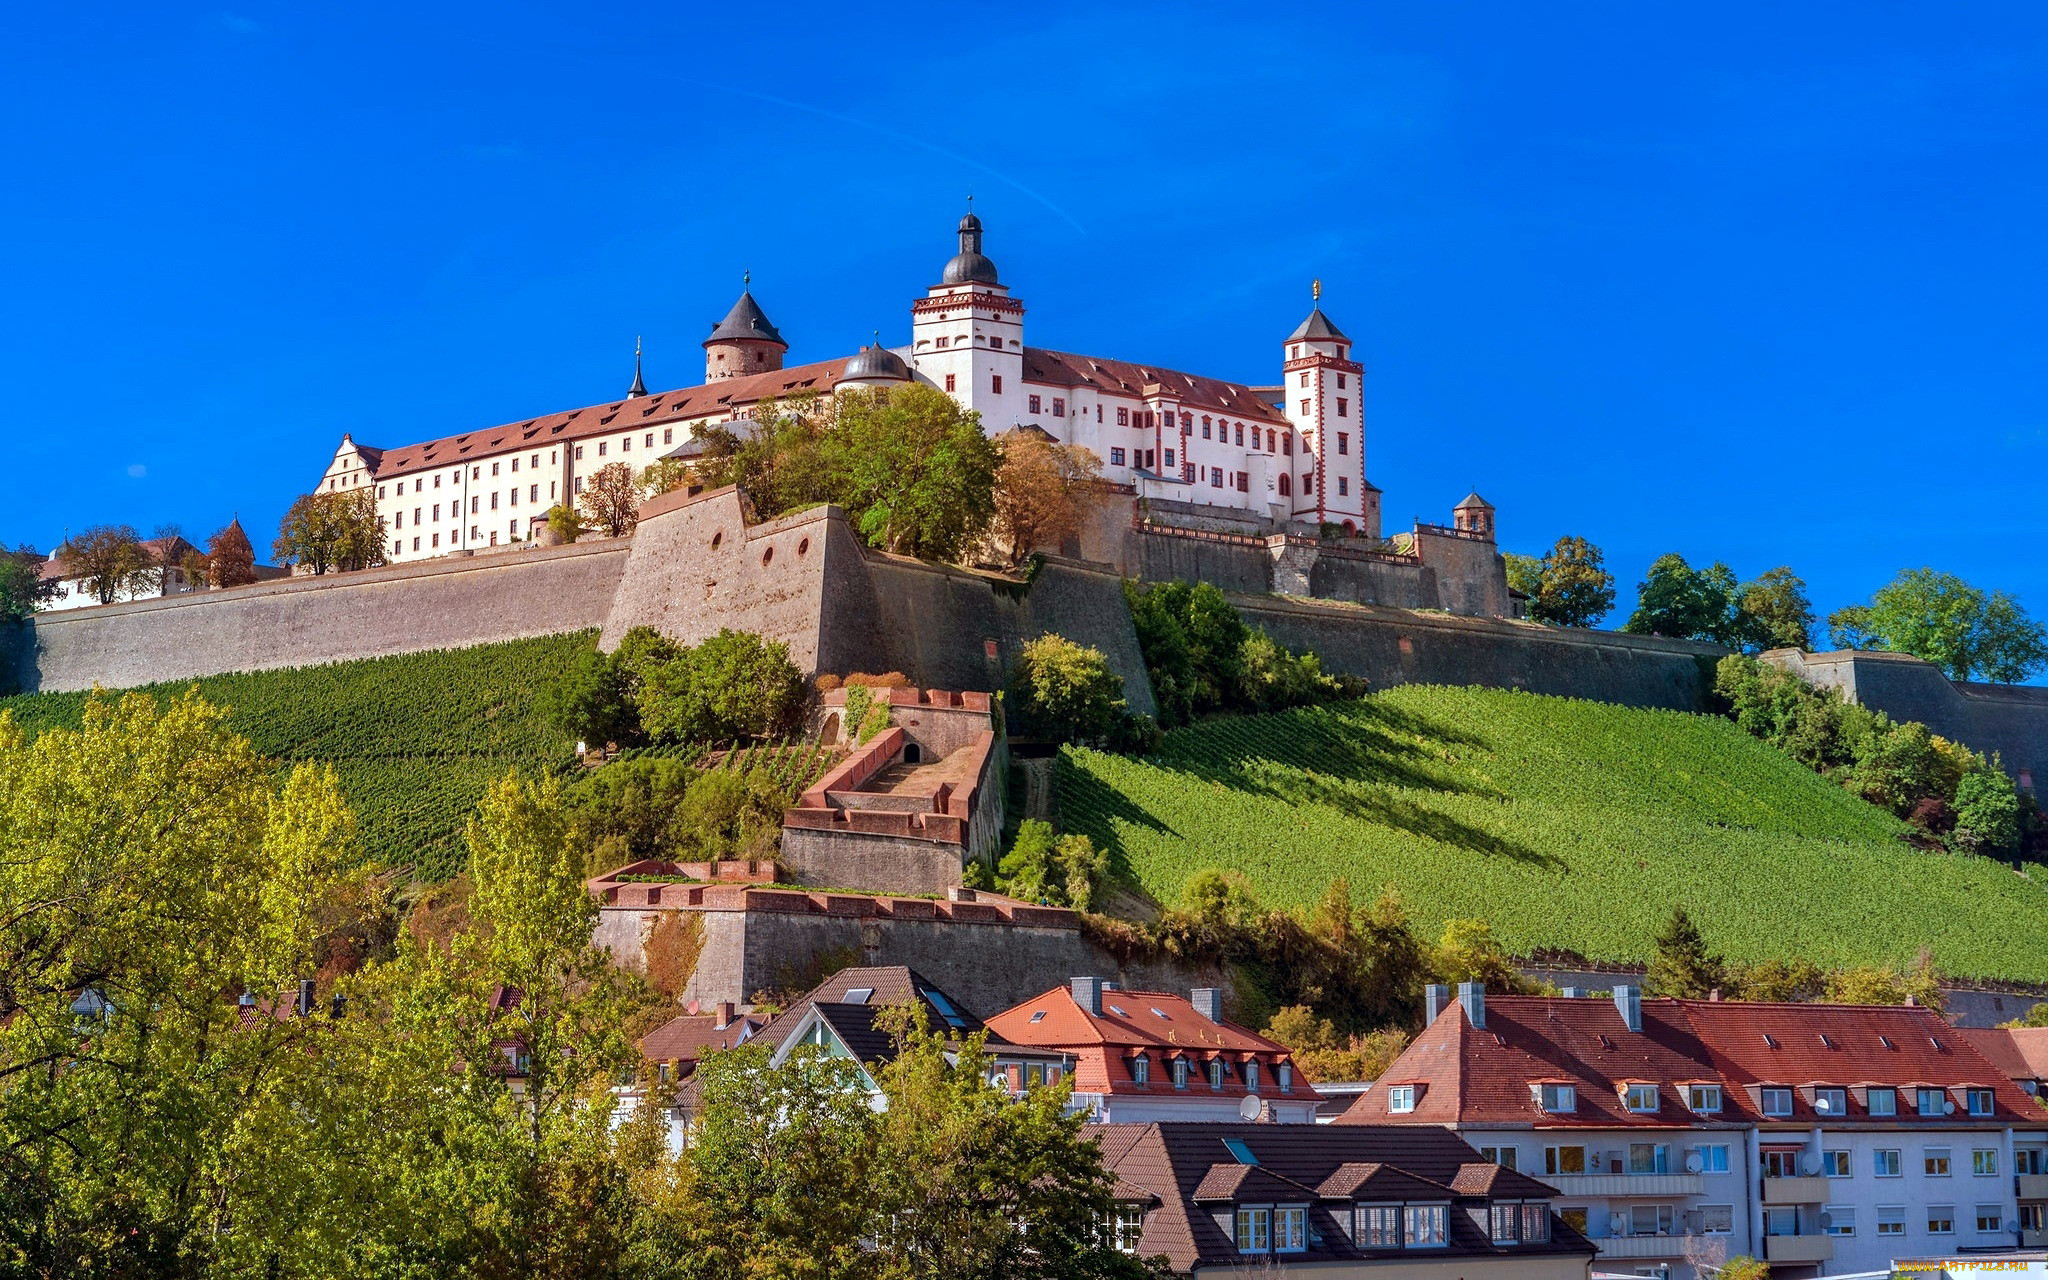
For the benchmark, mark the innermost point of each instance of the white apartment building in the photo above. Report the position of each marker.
(1290, 451)
(1825, 1139)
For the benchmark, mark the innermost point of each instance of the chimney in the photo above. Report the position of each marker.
(1434, 997)
(1107, 985)
(1208, 1002)
(1473, 996)
(1088, 994)
(1715, 994)
(1571, 993)
(1910, 1001)
(305, 997)
(722, 1018)
(1629, 1000)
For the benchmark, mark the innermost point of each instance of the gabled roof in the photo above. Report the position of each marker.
(1375, 1179)
(873, 989)
(2019, 1052)
(1126, 378)
(1248, 1182)
(1129, 1020)
(689, 1036)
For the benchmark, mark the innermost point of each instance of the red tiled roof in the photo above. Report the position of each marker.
(2019, 1052)
(1125, 377)
(688, 1037)
(709, 400)
(1154, 1023)
(1483, 1075)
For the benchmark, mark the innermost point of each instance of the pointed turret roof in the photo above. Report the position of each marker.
(1473, 500)
(1317, 327)
(639, 387)
(746, 320)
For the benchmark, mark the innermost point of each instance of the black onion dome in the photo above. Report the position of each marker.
(969, 266)
(875, 363)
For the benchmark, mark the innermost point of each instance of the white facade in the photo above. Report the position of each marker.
(1165, 433)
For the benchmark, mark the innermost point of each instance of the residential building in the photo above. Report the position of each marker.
(2020, 1052)
(674, 1048)
(1292, 452)
(1145, 1056)
(164, 576)
(1825, 1139)
(1334, 1201)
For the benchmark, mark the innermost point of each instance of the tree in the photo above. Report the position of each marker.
(592, 702)
(563, 523)
(1059, 870)
(165, 551)
(781, 461)
(1849, 628)
(1773, 612)
(110, 559)
(1955, 626)
(733, 685)
(1468, 952)
(230, 560)
(330, 532)
(1573, 589)
(914, 470)
(1066, 691)
(1685, 603)
(1987, 812)
(610, 501)
(1524, 573)
(1042, 491)
(1682, 966)
(22, 588)
(1324, 1054)
(664, 476)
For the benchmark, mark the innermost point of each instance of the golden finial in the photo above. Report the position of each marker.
(1316, 289)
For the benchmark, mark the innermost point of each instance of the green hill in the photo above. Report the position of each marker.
(1567, 824)
(415, 738)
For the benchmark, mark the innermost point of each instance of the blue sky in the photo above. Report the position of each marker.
(1754, 282)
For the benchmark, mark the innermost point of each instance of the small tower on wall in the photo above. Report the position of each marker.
(744, 342)
(967, 335)
(1324, 391)
(1474, 515)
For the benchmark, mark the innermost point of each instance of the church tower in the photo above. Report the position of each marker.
(967, 335)
(1325, 400)
(744, 342)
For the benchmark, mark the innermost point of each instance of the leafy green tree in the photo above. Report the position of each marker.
(1778, 981)
(327, 532)
(22, 589)
(1682, 966)
(781, 461)
(1574, 589)
(1849, 628)
(1957, 627)
(1524, 573)
(733, 685)
(1987, 811)
(628, 811)
(564, 523)
(592, 702)
(915, 471)
(1060, 870)
(1066, 691)
(1682, 602)
(1773, 612)
(610, 501)
(1468, 952)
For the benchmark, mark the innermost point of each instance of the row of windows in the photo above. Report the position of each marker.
(1890, 1220)
(1284, 1228)
(1343, 380)
(475, 535)
(1343, 408)
(1655, 1157)
(1775, 1100)
(1218, 1071)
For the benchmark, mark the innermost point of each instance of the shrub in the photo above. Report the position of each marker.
(1987, 812)
(733, 685)
(591, 704)
(1067, 691)
(1062, 870)
(564, 523)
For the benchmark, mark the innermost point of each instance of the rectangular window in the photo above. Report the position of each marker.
(1059, 406)
(579, 453)
(1535, 1222)
(1284, 1073)
(1990, 1219)
(1505, 1157)
(1984, 1162)
(397, 546)
(1344, 442)
(1290, 1229)
(437, 540)
(601, 447)
(1941, 1220)
(1423, 1226)
(1717, 1219)
(1123, 417)
(398, 520)
(1127, 1227)
(1506, 1223)
(473, 504)
(1831, 1102)
(415, 544)
(1031, 404)
(1703, 1098)
(1215, 477)
(1641, 1097)
(1564, 1160)
(533, 493)
(1886, 1164)
(1304, 408)
(1379, 1226)
(1240, 433)
(1841, 1220)
(1251, 1076)
(1169, 457)
(1304, 377)
(949, 377)
(648, 442)
(1205, 428)
(1254, 1227)
(995, 383)
(1244, 482)
(1401, 1099)
(1980, 1101)
(1180, 1073)
(1141, 1070)
(1934, 1162)
(1343, 407)
(1891, 1219)
(494, 503)
(577, 487)
(1713, 1157)
(437, 512)
(494, 468)
(1340, 382)
(1649, 1157)
(1882, 1102)
(1558, 1098)
(1932, 1102)
(1649, 1219)
(626, 444)
(380, 490)
(1215, 1073)
(1835, 1164)
(1343, 486)
(1116, 457)
(515, 465)
(668, 436)
(1776, 1101)
(1308, 483)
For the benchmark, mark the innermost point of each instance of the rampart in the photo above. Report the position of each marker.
(2008, 720)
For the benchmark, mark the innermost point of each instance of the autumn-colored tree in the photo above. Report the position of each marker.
(1043, 491)
(230, 560)
(111, 560)
(610, 501)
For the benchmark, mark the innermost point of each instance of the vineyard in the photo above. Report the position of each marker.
(415, 739)
(1567, 824)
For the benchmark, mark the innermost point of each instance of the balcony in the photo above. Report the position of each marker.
(2032, 1186)
(1649, 1186)
(1795, 1190)
(1814, 1248)
(1648, 1246)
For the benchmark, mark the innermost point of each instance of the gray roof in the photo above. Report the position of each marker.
(875, 362)
(745, 320)
(1317, 328)
(969, 268)
(1473, 500)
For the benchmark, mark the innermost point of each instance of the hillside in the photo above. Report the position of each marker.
(1566, 823)
(415, 738)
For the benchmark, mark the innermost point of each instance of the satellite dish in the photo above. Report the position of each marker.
(1948, 1108)
(1810, 1167)
(1250, 1108)
(1826, 1219)
(1693, 1163)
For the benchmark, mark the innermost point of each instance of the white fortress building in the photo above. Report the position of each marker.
(1291, 452)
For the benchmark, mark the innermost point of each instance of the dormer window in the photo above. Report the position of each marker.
(1640, 1097)
(1775, 1100)
(1141, 1070)
(1180, 1073)
(1980, 1101)
(1400, 1099)
(1933, 1102)
(1215, 1073)
(1251, 1076)
(1882, 1101)
(1558, 1099)
(1425, 1226)
(1831, 1102)
(1519, 1222)
(1378, 1226)
(1285, 1072)
(1703, 1098)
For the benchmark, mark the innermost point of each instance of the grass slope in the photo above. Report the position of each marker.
(1567, 824)
(415, 738)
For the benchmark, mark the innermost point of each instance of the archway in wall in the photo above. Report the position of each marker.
(912, 753)
(831, 730)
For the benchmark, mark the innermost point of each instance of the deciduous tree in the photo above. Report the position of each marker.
(1066, 691)
(610, 501)
(1961, 629)
(22, 589)
(327, 532)
(1573, 588)
(1043, 490)
(110, 559)
(914, 470)
(230, 560)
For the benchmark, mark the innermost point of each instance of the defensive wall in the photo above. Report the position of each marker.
(995, 952)
(2010, 720)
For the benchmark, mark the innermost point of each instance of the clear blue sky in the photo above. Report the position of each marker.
(1753, 282)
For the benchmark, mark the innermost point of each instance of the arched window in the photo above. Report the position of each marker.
(1286, 487)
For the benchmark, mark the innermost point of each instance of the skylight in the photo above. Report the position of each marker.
(859, 995)
(1770, 1041)
(1118, 1010)
(946, 1009)
(1157, 1014)
(1038, 1016)
(1239, 1151)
